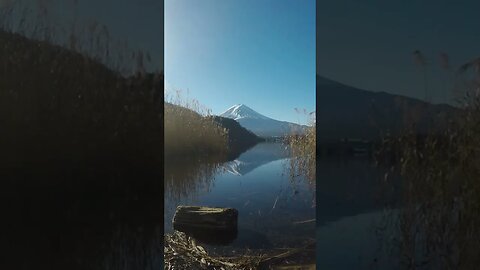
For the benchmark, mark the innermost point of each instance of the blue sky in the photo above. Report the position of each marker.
(256, 52)
(369, 44)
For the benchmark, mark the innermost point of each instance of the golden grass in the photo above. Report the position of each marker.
(188, 132)
(182, 252)
(303, 151)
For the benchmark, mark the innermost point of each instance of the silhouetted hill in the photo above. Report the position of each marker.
(239, 138)
(190, 134)
(347, 112)
(81, 151)
(58, 106)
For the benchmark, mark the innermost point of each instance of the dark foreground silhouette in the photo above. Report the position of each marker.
(81, 164)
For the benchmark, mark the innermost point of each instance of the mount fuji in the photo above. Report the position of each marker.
(261, 125)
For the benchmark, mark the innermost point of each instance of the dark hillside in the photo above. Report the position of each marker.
(58, 106)
(190, 134)
(81, 160)
(239, 138)
(348, 112)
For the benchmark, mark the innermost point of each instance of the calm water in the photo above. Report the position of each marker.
(351, 217)
(258, 185)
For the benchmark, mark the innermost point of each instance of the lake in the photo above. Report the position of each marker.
(351, 217)
(274, 210)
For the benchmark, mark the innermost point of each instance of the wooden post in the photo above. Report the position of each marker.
(206, 217)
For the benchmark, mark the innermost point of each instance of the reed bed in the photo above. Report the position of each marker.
(189, 132)
(303, 152)
(70, 98)
(437, 226)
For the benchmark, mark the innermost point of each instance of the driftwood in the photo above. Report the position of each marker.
(206, 217)
(208, 225)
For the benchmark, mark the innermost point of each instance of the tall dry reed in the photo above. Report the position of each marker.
(189, 132)
(303, 151)
(437, 226)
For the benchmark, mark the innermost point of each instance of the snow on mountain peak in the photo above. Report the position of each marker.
(240, 111)
(259, 124)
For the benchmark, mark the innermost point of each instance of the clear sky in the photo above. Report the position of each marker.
(138, 22)
(260, 53)
(369, 44)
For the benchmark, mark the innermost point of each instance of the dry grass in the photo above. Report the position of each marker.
(54, 100)
(182, 252)
(185, 178)
(303, 151)
(33, 20)
(66, 103)
(188, 132)
(81, 137)
(438, 223)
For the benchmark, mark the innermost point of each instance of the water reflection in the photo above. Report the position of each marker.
(256, 157)
(351, 220)
(187, 177)
(347, 187)
(209, 236)
(353, 242)
(271, 209)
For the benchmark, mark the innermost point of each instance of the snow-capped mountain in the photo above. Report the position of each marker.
(261, 125)
(240, 111)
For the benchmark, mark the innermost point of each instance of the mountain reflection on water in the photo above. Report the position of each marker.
(256, 157)
(271, 207)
